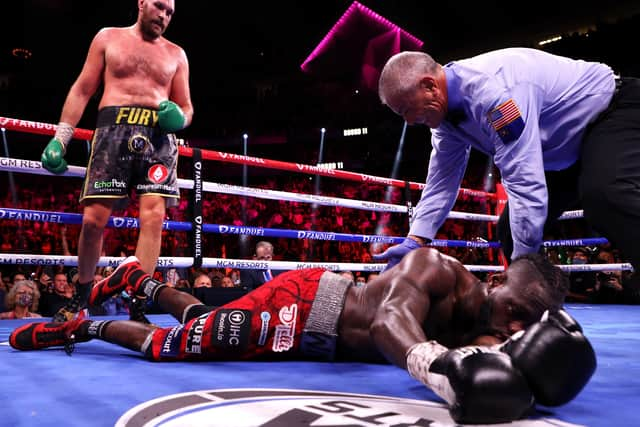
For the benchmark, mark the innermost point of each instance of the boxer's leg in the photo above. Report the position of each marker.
(39, 335)
(94, 220)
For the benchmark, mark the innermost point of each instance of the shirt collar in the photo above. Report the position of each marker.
(455, 109)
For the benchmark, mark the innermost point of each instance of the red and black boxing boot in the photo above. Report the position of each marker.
(38, 335)
(128, 277)
(137, 285)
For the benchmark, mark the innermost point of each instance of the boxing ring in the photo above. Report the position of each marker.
(104, 385)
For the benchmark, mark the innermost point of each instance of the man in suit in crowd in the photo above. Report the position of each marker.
(252, 278)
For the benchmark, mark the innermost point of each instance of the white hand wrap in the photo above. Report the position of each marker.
(64, 133)
(419, 359)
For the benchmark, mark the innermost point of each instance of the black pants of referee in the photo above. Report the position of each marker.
(605, 181)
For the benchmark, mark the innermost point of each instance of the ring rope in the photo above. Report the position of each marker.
(186, 262)
(168, 225)
(242, 264)
(129, 222)
(35, 167)
(49, 129)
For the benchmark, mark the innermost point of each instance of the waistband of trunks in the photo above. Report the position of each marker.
(320, 332)
(127, 115)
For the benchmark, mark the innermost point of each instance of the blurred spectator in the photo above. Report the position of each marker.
(347, 274)
(183, 285)
(201, 280)
(62, 293)
(172, 276)
(6, 283)
(114, 306)
(235, 277)
(227, 282)
(3, 293)
(216, 278)
(608, 287)
(252, 278)
(16, 276)
(45, 282)
(582, 283)
(22, 301)
(553, 255)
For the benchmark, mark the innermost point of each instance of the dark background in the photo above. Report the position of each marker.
(245, 66)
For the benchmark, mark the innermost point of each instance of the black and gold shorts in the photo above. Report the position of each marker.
(130, 151)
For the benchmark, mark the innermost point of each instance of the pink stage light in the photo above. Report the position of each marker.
(358, 46)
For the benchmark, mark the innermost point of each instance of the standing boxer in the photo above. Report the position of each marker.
(146, 98)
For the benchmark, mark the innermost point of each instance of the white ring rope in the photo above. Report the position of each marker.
(243, 264)
(186, 262)
(35, 167)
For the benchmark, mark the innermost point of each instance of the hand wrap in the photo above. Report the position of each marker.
(52, 157)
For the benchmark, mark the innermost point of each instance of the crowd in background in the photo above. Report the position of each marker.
(53, 285)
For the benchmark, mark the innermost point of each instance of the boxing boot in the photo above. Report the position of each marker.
(127, 277)
(38, 335)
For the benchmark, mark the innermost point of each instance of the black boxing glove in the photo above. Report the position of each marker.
(480, 384)
(554, 356)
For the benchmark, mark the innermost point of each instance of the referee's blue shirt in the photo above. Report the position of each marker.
(528, 110)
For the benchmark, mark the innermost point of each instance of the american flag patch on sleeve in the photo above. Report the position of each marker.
(507, 121)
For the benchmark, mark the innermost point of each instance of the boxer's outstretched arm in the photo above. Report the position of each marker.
(398, 323)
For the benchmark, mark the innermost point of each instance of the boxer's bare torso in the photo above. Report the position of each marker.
(433, 289)
(137, 71)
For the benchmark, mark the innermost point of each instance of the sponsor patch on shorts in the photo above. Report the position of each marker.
(157, 173)
(283, 339)
(138, 143)
(265, 316)
(194, 335)
(171, 342)
(231, 329)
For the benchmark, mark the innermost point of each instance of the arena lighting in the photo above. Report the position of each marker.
(20, 52)
(550, 40)
(488, 176)
(330, 165)
(320, 155)
(375, 247)
(357, 46)
(355, 132)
